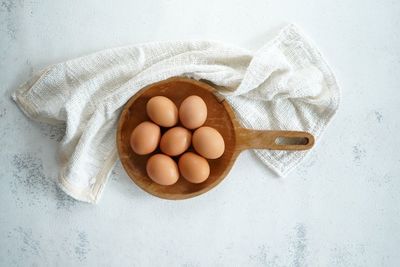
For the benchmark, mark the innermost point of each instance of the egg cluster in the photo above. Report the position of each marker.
(176, 141)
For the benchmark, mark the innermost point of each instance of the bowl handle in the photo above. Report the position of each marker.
(274, 140)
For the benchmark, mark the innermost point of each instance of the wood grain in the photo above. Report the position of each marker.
(276, 140)
(220, 116)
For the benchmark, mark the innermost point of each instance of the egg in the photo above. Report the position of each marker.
(175, 141)
(162, 111)
(208, 142)
(194, 168)
(193, 112)
(145, 138)
(162, 169)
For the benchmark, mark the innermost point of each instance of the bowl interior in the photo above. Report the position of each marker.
(220, 116)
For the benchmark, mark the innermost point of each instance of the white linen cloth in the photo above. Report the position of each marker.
(284, 85)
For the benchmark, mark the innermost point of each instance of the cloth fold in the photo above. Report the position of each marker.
(284, 85)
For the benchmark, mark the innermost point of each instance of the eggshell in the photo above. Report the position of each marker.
(193, 112)
(175, 141)
(162, 169)
(208, 142)
(145, 138)
(194, 168)
(162, 111)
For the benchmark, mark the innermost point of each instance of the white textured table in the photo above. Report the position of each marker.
(340, 208)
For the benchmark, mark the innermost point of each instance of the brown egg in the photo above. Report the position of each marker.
(175, 141)
(193, 112)
(208, 142)
(162, 111)
(162, 169)
(194, 168)
(145, 138)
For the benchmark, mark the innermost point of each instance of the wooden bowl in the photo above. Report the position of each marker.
(220, 117)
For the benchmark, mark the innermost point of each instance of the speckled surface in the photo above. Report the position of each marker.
(339, 208)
